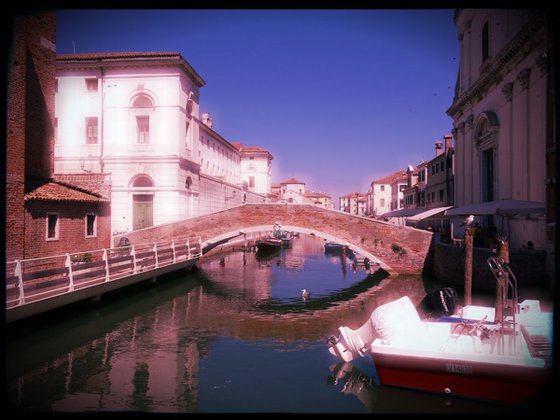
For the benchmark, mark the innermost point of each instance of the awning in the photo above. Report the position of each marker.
(401, 213)
(499, 207)
(428, 213)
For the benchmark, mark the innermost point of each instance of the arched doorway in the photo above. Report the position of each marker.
(142, 203)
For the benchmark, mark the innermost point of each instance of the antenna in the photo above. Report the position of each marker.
(74, 46)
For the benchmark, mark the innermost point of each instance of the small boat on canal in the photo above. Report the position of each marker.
(475, 351)
(269, 243)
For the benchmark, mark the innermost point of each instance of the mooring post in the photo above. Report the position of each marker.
(501, 282)
(468, 265)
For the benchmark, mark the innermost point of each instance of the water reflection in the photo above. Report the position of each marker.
(378, 399)
(234, 336)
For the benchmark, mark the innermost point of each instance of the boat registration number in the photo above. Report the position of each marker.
(456, 368)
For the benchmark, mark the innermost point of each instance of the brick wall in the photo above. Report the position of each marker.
(371, 235)
(72, 228)
(30, 109)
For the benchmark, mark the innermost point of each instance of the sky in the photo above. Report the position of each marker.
(338, 97)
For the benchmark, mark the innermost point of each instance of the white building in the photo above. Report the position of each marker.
(136, 116)
(502, 115)
(381, 193)
(293, 191)
(353, 203)
(256, 168)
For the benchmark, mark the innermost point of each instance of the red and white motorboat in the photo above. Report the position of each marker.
(469, 353)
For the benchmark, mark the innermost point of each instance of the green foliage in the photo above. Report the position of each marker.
(397, 249)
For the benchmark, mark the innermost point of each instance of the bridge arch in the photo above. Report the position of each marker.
(372, 238)
(210, 243)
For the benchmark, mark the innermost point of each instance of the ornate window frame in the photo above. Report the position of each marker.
(485, 134)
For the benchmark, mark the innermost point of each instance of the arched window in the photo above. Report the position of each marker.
(142, 108)
(142, 181)
(142, 101)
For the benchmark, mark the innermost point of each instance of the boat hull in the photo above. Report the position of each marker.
(457, 377)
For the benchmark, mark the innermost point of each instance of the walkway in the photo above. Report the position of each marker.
(40, 284)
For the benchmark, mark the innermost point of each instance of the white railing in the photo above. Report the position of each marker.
(36, 279)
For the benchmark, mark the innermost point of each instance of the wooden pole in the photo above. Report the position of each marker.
(468, 265)
(501, 283)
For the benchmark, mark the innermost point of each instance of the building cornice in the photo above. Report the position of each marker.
(492, 73)
(127, 60)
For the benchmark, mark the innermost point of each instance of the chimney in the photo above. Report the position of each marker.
(439, 147)
(448, 141)
(206, 119)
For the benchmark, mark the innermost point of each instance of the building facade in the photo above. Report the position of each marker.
(502, 114)
(136, 116)
(440, 175)
(380, 197)
(353, 203)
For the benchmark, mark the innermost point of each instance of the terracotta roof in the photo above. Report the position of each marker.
(358, 195)
(114, 55)
(388, 179)
(248, 149)
(51, 190)
(292, 181)
(316, 194)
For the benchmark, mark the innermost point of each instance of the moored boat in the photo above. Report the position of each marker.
(470, 353)
(269, 243)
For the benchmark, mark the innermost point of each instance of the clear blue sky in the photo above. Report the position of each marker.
(339, 97)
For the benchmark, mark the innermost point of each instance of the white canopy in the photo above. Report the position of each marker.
(499, 207)
(427, 213)
(401, 213)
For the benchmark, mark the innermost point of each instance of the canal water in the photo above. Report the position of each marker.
(232, 336)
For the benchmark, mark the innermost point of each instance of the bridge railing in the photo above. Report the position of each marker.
(41, 278)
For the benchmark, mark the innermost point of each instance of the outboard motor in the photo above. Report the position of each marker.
(440, 302)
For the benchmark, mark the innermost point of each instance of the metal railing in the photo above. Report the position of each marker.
(41, 278)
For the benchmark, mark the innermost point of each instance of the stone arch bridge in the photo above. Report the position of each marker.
(398, 249)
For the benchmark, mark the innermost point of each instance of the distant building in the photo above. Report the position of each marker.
(353, 203)
(292, 191)
(503, 117)
(381, 195)
(411, 192)
(256, 168)
(319, 199)
(439, 189)
(135, 116)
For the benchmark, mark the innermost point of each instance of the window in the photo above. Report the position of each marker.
(251, 182)
(382, 188)
(143, 129)
(91, 84)
(52, 226)
(440, 195)
(485, 49)
(382, 202)
(142, 101)
(91, 225)
(91, 130)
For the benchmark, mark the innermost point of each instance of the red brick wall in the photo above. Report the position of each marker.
(72, 228)
(371, 235)
(30, 111)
